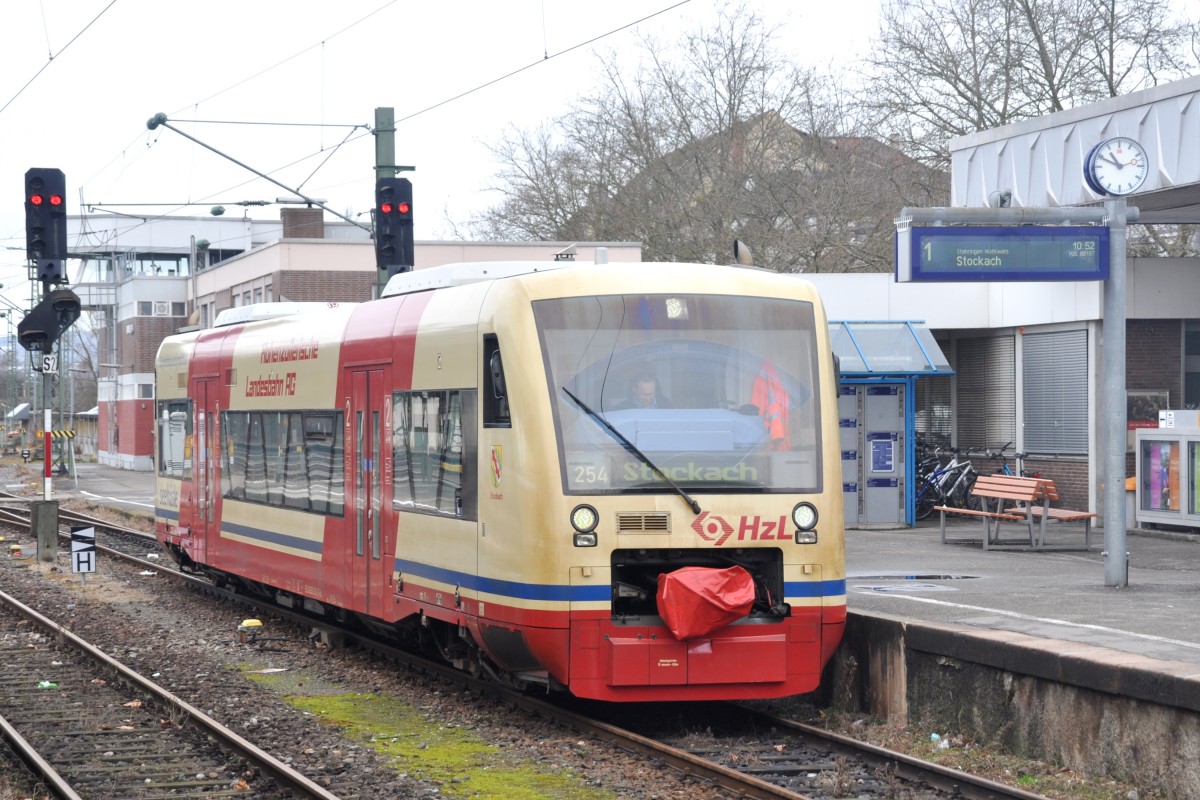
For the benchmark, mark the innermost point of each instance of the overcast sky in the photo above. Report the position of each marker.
(280, 84)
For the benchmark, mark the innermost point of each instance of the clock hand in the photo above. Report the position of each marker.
(1113, 160)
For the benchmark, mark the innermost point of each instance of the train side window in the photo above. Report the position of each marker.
(275, 453)
(235, 427)
(295, 468)
(326, 473)
(256, 461)
(434, 453)
(495, 389)
(175, 439)
(291, 459)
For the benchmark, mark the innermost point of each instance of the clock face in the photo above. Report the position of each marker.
(1117, 166)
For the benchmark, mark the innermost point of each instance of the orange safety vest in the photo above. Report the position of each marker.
(774, 405)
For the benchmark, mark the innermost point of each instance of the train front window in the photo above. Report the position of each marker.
(718, 392)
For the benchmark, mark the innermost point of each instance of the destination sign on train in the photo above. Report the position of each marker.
(1002, 253)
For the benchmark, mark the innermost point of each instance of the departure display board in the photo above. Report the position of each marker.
(1002, 253)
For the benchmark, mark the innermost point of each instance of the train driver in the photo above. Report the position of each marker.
(643, 393)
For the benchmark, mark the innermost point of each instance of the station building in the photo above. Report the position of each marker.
(1028, 356)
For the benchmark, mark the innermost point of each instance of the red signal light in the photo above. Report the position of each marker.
(36, 199)
(403, 208)
(56, 200)
(386, 208)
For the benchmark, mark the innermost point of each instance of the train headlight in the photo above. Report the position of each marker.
(584, 520)
(804, 515)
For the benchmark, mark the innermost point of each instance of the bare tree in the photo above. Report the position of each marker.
(945, 68)
(716, 138)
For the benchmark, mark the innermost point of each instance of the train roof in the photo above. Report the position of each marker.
(468, 272)
(264, 311)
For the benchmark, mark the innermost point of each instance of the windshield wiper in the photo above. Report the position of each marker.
(632, 448)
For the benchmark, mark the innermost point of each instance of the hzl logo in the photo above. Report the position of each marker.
(713, 528)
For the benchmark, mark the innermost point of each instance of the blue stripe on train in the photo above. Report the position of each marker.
(579, 594)
(272, 537)
(265, 537)
(521, 591)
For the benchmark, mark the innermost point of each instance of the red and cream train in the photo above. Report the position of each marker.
(458, 461)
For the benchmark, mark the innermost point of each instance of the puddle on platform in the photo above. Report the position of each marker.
(904, 583)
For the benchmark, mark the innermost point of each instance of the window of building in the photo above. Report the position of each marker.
(145, 391)
(258, 295)
(1055, 393)
(178, 309)
(433, 453)
(145, 308)
(934, 423)
(1191, 365)
(985, 392)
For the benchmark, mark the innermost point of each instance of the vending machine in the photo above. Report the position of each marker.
(1168, 471)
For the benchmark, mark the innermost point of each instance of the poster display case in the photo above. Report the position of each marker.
(1168, 476)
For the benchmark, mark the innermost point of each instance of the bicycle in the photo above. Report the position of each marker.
(959, 495)
(1004, 469)
(948, 485)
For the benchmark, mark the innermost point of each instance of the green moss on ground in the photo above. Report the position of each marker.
(461, 763)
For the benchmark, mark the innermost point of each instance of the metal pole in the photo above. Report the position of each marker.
(47, 457)
(1116, 567)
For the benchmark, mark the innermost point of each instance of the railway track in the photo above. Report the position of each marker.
(794, 761)
(92, 727)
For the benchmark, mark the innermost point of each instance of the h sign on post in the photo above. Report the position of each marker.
(83, 549)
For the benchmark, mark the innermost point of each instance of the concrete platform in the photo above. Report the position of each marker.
(1030, 649)
(131, 491)
(910, 573)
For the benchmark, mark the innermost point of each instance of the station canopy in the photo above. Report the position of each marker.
(896, 349)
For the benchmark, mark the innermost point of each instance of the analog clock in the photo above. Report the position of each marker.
(1116, 167)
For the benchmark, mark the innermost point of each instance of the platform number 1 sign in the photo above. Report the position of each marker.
(83, 550)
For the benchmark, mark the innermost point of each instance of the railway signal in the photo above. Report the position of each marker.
(46, 222)
(48, 320)
(394, 225)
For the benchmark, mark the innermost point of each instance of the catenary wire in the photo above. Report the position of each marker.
(53, 56)
(351, 138)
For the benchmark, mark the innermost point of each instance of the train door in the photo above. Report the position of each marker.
(204, 396)
(368, 485)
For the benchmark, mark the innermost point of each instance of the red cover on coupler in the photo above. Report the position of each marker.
(695, 601)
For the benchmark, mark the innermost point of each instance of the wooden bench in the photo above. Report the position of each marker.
(1043, 512)
(997, 494)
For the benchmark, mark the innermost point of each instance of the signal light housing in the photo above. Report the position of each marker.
(46, 223)
(393, 225)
